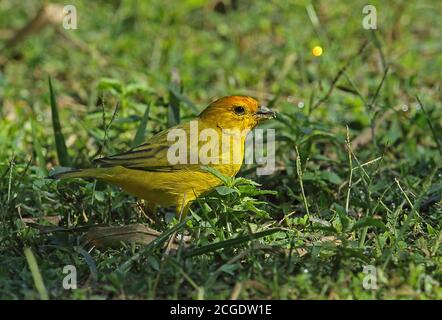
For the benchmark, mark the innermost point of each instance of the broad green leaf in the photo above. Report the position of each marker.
(224, 190)
(331, 177)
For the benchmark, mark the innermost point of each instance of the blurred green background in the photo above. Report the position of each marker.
(178, 56)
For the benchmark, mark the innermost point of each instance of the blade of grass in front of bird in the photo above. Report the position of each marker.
(60, 143)
(229, 243)
(36, 275)
(228, 181)
(139, 136)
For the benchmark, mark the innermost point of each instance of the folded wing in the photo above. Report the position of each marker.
(149, 156)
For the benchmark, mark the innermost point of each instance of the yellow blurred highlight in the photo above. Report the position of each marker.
(317, 51)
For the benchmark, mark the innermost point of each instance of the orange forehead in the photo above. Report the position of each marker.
(243, 101)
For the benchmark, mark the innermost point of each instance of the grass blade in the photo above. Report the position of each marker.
(229, 243)
(139, 136)
(433, 132)
(173, 117)
(60, 144)
(38, 280)
(38, 150)
(89, 261)
(183, 99)
(299, 171)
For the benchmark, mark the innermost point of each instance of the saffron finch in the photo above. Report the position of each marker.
(152, 172)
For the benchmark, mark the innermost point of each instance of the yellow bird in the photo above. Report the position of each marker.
(152, 171)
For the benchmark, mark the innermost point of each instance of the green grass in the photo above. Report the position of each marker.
(358, 180)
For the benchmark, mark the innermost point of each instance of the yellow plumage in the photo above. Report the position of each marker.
(146, 171)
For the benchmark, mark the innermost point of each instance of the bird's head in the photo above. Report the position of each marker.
(235, 112)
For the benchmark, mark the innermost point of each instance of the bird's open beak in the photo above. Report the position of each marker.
(265, 113)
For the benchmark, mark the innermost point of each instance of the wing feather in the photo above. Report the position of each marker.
(149, 156)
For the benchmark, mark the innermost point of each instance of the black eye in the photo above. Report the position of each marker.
(239, 110)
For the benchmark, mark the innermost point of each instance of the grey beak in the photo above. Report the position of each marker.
(265, 113)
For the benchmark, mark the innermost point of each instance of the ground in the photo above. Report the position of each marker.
(352, 210)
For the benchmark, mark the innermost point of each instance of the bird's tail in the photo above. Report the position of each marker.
(66, 173)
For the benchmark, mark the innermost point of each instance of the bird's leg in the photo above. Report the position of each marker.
(148, 210)
(182, 210)
(140, 209)
(151, 209)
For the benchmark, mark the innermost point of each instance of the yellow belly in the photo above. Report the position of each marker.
(175, 188)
